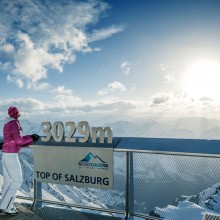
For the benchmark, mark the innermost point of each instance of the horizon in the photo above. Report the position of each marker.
(198, 128)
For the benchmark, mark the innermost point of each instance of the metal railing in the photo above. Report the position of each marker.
(156, 166)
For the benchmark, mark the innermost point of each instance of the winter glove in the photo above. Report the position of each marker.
(35, 137)
(1, 144)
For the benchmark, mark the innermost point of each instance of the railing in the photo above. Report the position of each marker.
(152, 172)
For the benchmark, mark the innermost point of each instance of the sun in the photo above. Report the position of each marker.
(202, 79)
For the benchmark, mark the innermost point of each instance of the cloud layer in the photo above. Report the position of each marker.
(37, 36)
(66, 105)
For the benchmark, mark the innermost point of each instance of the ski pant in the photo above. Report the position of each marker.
(12, 179)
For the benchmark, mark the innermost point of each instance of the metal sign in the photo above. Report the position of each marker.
(76, 166)
(58, 129)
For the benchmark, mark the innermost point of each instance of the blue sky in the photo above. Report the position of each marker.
(110, 60)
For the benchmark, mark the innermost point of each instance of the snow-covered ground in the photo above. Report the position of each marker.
(208, 204)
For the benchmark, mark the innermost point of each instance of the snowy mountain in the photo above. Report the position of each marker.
(195, 207)
(159, 128)
(201, 128)
(27, 126)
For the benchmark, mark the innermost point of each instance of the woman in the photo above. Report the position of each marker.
(12, 173)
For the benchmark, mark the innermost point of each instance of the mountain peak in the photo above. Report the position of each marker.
(90, 155)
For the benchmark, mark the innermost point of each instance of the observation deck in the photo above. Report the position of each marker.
(148, 173)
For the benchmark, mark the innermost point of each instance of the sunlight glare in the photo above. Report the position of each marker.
(202, 79)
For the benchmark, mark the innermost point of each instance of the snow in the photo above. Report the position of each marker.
(184, 210)
(209, 203)
(206, 194)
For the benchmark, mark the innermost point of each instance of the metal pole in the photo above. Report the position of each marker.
(129, 186)
(37, 195)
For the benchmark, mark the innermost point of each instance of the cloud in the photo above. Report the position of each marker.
(180, 104)
(29, 84)
(58, 31)
(104, 33)
(72, 107)
(15, 80)
(6, 66)
(161, 98)
(61, 90)
(168, 77)
(67, 101)
(69, 106)
(31, 63)
(163, 67)
(7, 48)
(206, 99)
(38, 86)
(28, 105)
(112, 87)
(126, 67)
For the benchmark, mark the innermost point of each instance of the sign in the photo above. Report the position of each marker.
(76, 166)
(58, 130)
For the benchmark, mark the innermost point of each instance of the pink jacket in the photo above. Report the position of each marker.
(13, 140)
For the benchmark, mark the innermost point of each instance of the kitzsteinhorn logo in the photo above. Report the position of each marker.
(92, 161)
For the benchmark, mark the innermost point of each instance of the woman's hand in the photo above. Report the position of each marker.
(35, 137)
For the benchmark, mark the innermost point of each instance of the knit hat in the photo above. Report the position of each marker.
(13, 112)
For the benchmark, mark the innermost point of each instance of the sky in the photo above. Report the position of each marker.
(112, 60)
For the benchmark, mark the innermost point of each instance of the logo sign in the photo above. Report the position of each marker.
(93, 162)
(76, 166)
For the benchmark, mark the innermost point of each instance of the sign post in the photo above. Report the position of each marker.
(75, 161)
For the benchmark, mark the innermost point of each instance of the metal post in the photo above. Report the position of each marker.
(37, 195)
(129, 186)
